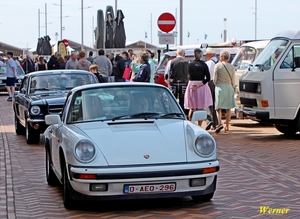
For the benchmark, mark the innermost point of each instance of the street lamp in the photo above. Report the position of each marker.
(82, 46)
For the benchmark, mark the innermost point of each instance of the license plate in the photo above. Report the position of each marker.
(151, 188)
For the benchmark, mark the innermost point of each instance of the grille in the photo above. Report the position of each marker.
(55, 108)
(248, 102)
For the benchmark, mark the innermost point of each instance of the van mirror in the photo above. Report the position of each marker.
(297, 62)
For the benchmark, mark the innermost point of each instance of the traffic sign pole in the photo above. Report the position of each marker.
(166, 23)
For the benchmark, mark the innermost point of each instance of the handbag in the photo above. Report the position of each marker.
(126, 74)
(111, 78)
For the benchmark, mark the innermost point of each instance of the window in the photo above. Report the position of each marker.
(111, 102)
(291, 58)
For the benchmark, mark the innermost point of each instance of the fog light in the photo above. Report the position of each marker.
(99, 187)
(197, 182)
(36, 126)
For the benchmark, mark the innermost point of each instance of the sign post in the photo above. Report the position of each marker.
(166, 23)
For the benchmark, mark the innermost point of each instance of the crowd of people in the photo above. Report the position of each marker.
(197, 84)
(123, 67)
(203, 85)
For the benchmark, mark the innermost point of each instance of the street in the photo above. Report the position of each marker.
(259, 167)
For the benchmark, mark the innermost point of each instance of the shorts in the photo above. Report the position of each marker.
(10, 82)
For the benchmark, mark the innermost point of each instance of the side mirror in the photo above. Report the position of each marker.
(297, 62)
(52, 119)
(23, 91)
(199, 115)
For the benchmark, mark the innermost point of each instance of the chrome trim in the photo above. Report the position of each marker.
(35, 120)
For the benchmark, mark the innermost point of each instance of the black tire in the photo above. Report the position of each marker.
(288, 130)
(69, 202)
(32, 135)
(203, 198)
(20, 130)
(50, 175)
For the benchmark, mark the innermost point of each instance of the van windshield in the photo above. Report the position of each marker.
(244, 57)
(269, 55)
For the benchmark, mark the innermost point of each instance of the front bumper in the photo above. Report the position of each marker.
(80, 189)
(252, 114)
(40, 123)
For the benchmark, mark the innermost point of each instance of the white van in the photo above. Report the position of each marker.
(270, 89)
(247, 53)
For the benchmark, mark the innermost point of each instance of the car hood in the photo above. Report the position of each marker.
(139, 142)
(51, 98)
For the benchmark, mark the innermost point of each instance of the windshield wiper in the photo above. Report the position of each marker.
(41, 89)
(261, 66)
(171, 114)
(136, 115)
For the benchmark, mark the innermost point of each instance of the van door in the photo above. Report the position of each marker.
(287, 84)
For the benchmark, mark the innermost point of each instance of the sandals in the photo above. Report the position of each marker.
(219, 128)
(226, 130)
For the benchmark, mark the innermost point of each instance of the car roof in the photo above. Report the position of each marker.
(190, 52)
(59, 71)
(117, 84)
(257, 44)
(289, 34)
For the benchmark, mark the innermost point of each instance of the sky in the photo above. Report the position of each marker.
(19, 19)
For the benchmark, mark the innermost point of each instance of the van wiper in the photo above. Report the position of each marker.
(261, 66)
(136, 115)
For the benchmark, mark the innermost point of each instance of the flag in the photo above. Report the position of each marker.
(205, 36)
(189, 34)
(146, 36)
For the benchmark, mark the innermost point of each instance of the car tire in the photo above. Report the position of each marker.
(69, 202)
(50, 175)
(20, 130)
(203, 198)
(288, 130)
(32, 135)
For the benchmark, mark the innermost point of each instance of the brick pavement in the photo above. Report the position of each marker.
(258, 167)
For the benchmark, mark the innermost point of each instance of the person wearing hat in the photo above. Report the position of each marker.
(212, 119)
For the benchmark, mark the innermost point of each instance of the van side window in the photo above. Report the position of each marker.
(292, 60)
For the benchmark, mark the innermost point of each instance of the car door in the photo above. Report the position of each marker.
(56, 138)
(287, 84)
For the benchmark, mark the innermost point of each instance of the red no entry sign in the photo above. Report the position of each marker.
(166, 22)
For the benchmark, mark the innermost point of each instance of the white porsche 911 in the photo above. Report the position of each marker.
(128, 141)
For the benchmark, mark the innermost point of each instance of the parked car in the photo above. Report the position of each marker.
(43, 93)
(20, 76)
(134, 143)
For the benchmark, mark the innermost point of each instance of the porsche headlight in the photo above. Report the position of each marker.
(85, 151)
(205, 145)
(35, 110)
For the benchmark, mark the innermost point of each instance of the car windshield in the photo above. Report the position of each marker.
(163, 63)
(123, 102)
(61, 81)
(270, 54)
(20, 71)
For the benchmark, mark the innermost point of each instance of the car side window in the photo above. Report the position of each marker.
(292, 58)
(24, 85)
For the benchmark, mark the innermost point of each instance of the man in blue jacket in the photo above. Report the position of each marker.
(144, 73)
